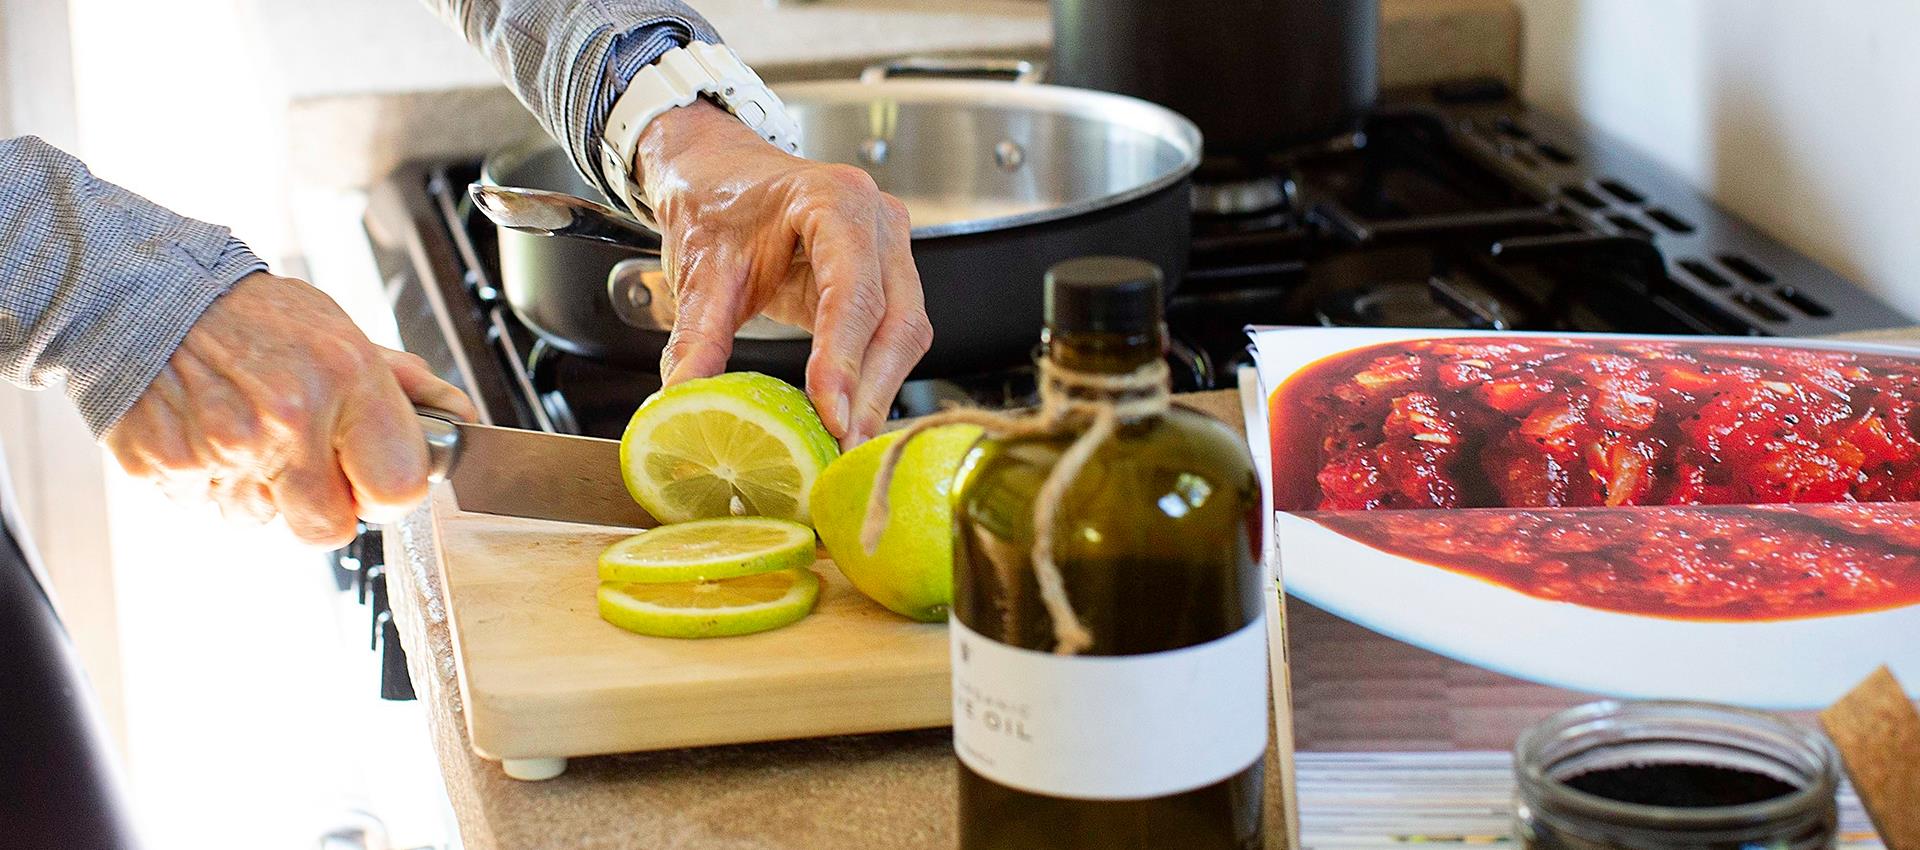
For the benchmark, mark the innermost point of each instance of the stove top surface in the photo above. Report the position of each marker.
(1453, 208)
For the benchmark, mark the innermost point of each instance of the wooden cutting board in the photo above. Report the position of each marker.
(542, 676)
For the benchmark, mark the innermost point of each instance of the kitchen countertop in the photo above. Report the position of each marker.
(892, 791)
(372, 83)
(369, 84)
(349, 47)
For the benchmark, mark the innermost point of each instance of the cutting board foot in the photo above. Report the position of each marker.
(534, 770)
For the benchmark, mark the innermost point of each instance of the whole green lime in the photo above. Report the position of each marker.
(911, 572)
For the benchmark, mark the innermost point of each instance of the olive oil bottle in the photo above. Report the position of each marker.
(1153, 734)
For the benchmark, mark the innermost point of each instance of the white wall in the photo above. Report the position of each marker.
(238, 671)
(57, 471)
(6, 82)
(1801, 115)
(242, 695)
(38, 78)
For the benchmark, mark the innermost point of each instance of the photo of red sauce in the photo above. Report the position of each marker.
(1697, 480)
(1741, 562)
(1557, 422)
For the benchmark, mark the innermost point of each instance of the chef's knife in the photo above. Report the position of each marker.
(512, 472)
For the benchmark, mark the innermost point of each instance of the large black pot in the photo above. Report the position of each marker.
(1257, 76)
(1001, 180)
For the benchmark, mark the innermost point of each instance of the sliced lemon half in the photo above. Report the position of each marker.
(739, 444)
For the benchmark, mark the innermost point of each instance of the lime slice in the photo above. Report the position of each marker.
(739, 444)
(698, 609)
(709, 549)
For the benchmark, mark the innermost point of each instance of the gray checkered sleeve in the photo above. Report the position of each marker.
(97, 284)
(569, 60)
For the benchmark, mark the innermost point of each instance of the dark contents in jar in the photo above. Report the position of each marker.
(1680, 785)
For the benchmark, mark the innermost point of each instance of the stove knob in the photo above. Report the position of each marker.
(348, 561)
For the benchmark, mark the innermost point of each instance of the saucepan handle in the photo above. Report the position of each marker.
(545, 213)
(1020, 70)
(640, 295)
(642, 298)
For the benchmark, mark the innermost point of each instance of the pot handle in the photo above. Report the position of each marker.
(1021, 70)
(642, 298)
(640, 294)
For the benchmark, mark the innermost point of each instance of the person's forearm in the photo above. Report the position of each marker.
(568, 60)
(97, 284)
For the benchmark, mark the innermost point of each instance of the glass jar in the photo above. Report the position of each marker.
(1655, 775)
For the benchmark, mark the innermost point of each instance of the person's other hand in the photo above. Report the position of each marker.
(276, 403)
(750, 229)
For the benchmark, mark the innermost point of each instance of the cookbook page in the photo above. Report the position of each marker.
(1475, 531)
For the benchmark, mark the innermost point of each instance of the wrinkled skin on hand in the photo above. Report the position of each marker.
(276, 403)
(750, 229)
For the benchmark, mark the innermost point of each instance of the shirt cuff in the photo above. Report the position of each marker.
(139, 340)
(632, 51)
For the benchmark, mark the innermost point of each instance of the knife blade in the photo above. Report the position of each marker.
(511, 472)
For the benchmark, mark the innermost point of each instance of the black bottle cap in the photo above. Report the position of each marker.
(1103, 295)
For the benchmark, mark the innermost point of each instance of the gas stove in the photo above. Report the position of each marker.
(1451, 207)
(1459, 207)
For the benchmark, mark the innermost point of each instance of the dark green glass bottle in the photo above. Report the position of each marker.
(1152, 737)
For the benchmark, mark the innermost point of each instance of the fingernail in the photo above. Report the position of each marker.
(840, 406)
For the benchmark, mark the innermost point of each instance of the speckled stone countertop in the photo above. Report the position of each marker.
(371, 83)
(892, 791)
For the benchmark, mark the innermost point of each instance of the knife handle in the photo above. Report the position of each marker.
(443, 441)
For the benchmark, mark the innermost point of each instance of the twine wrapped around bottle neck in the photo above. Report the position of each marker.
(1067, 397)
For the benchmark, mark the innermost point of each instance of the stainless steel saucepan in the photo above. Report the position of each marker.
(1001, 181)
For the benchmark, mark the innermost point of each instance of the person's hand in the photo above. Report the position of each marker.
(750, 229)
(276, 403)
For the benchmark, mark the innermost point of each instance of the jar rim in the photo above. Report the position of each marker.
(1531, 766)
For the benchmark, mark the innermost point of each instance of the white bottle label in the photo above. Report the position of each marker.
(1125, 727)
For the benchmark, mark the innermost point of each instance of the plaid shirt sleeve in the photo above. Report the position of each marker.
(569, 60)
(98, 285)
